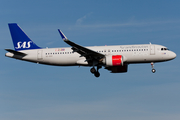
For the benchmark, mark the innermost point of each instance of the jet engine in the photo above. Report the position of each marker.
(113, 60)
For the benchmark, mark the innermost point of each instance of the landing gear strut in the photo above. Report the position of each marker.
(152, 65)
(95, 72)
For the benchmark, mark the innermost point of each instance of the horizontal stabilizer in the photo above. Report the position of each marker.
(15, 52)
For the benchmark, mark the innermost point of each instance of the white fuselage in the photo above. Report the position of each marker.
(113, 58)
(143, 53)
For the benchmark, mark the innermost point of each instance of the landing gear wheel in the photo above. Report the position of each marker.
(96, 74)
(152, 65)
(153, 70)
(93, 70)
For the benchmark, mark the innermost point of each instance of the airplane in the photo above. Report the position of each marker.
(113, 58)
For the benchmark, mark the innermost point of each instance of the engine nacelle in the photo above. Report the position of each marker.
(113, 60)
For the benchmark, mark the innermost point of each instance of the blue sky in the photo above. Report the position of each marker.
(40, 92)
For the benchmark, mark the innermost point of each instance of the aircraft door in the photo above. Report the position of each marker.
(39, 55)
(152, 49)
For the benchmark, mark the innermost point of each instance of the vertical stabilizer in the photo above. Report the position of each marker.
(20, 40)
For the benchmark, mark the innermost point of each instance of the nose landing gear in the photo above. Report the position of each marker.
(95, 72)
(152, 65)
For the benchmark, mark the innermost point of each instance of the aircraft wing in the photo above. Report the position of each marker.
(83, 51)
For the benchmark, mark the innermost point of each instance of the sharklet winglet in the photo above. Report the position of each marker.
(62, 35)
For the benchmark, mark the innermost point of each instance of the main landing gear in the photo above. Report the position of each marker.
(95, 72)
(152, 65)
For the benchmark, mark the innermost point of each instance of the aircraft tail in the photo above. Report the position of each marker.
(20, 40)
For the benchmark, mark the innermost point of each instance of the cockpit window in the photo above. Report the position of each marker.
(164, 49)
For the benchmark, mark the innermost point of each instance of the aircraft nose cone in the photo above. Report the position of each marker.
(173, 55)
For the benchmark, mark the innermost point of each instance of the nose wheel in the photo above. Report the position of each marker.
(95, 72)
(153, 70)
(152, 65)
